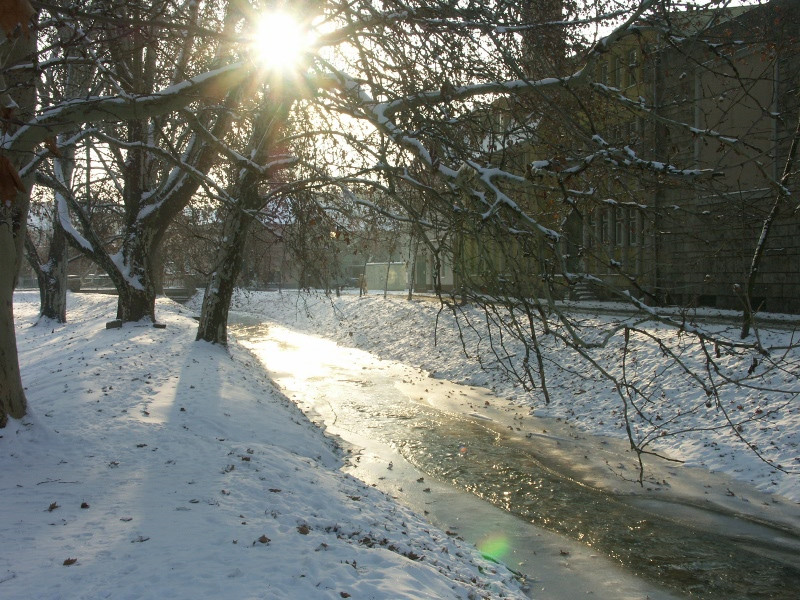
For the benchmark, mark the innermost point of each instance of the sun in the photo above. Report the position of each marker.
(280, 41)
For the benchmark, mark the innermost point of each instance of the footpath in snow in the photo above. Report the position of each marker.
(154, 466)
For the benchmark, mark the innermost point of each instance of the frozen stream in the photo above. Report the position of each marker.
(549, 503)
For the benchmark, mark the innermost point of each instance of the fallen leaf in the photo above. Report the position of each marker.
(69, 561)
(303, 530)
(84, 505)
(264, 539)
(52, 507)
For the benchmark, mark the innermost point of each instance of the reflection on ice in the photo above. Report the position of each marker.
(381, 406)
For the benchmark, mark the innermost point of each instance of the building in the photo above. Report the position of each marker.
(689, 128)
(738, 83)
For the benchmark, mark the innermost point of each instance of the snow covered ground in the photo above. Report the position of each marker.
(151, 466)
(394, 328)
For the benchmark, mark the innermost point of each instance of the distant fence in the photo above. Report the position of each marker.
(101, 284)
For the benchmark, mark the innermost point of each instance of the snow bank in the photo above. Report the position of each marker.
(153, 466)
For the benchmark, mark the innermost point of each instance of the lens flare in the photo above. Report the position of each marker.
(494, 546)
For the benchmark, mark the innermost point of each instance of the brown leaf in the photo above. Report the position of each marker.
(16, 13)
(70, 561)
(264, 539)
(51, 144)
(303, 529)
(52, 507)
(84, 505)
(6, 114)
(10, 183)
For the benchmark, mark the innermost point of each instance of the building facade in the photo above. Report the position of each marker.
(716, 108)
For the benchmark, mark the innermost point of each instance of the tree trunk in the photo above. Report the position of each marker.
(134, 281)
(228, 264)
(412, 278)
(12, 394)
(135, 304)
(52, 278)
(17, 90)
(159, 270)
(213, 325)
(386, 280)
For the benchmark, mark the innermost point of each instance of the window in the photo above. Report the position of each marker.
(602, 73)
(603, 225)
(633, 65)
(632, 132)
(633, 227)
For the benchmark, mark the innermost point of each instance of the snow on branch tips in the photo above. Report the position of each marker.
(624, 157)
(66, 115)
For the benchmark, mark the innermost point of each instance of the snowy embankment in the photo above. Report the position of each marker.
(684, 423)
(152, 466)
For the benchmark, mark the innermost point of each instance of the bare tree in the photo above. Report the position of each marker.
(158, 163)
(263, 161)
(17, 102)
(568, 166)
(25, 127)
(545, 151)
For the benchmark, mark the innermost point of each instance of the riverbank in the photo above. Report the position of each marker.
(394, 328)
(151, 466)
